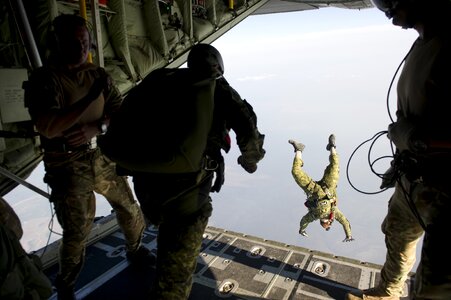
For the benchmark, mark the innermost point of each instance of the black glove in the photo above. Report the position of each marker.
(389, 177)
(249, 166)
(404, 135)
(219, 178)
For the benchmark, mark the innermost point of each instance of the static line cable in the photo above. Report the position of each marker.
(393, 80)
(371, 163)
(375, 137)
(19, 180)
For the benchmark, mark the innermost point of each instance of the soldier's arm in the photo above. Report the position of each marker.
(305, 221)
(242, 119)
(50, 117)
(113, 97)
(340, 217)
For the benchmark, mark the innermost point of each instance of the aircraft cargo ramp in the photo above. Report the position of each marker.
(230, 266)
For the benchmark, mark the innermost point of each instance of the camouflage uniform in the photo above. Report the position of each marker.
(403, 231)
(74, 174)
(421, 201)
(179, 204)
(322, 194)
(21, 275)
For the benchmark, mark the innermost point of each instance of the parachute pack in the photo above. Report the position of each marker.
(163, 123)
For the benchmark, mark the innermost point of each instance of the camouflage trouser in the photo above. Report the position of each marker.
(179, 245)
(21, 275)
(181, 224)
(402, 231)
(73, 182)
(316, 188)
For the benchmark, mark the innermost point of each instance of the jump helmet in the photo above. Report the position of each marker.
(206, 58)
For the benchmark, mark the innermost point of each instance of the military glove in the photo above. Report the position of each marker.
(404, 135)
(249, 166)
(389, 178)
(219, 178)
(348, 239)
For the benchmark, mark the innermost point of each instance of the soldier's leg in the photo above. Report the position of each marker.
(299, 175)
(433, 275)
(402, 233)
(179, 245)
(118, 193)
(74, 204)
(332, 171)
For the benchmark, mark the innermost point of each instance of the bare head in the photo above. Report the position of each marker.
(72, 39)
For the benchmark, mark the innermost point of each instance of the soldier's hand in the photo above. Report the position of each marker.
(80, 134)
(219, 178)
(249, 166)
(404, 134)
(389, 178)
(348, 239)
(303, 233)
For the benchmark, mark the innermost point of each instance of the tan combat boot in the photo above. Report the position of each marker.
(297, 146)
(331, 142)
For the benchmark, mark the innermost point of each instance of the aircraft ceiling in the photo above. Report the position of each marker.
(280, 6)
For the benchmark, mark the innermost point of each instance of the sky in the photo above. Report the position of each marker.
(307, 74)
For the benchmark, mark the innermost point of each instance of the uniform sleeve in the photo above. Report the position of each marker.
(113, 97)
(340, 217)
(306, 220)
(9, 218)
(242, 119)
(43, 93)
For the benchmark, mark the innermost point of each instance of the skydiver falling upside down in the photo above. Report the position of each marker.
(321, 195)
